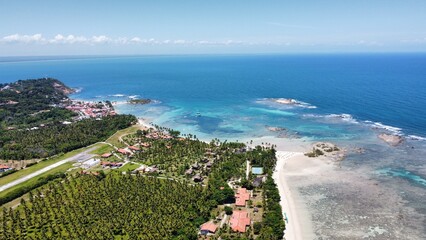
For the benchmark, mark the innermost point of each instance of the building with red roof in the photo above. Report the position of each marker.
(106, 155)
(134, 148)
(123, 151)
(239, 221)
(241, 197)
(208, 227)
(4, 168)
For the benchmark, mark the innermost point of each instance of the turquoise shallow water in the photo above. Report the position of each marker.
(347, 98)
(228, 91)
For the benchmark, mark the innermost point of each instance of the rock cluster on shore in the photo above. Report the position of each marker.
(283, 132)
(393, 140)
(326, 149)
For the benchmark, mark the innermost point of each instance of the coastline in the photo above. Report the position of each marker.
(356, 203)
(291, 162)
(292, 212)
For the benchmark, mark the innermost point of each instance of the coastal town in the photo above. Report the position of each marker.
(85, 109)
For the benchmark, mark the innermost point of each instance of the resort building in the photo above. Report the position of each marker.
(90, 163)
(134, 148)
(239, 221)
(241, 197)
(208, 228)
(106, 155)
(4, 168)
(123, 151)
(111, 164)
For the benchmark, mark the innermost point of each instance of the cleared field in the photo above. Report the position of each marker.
(115, 139)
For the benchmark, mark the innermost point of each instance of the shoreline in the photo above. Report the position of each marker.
(290, 153)
(292, 163)
(295, 212)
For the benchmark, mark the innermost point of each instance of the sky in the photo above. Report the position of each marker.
(52, 27)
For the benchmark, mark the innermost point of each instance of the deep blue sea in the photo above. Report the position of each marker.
(349, 99)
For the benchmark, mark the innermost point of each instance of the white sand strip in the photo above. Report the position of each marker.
(298, 224)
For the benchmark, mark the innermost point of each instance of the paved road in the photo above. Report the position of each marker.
(79, 158)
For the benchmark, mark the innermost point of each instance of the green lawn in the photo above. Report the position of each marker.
(129, 166)
(114, 139)
(103, 148)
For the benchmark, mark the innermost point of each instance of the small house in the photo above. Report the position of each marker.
(257, 182)
(189, 172)
(4, 168)
(239, 221)
(123, 151)
(208, 228)
(197, 178)
(134, 148)
(195, 166)
(106, 155)
(241, 197)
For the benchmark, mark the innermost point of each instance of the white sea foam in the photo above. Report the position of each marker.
(115, 103)
(133, 96)
(78, 89)
(379, 125)
(334, 117)
(117, 95)
(418, 138)
(273, 111)
(344, 117)
(292, 102)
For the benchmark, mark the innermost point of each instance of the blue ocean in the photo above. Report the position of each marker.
(346, 98)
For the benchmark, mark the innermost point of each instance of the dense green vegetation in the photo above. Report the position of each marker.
(150, 207)
(172, 155)
(31, 102)
(117, 206)
(59, 138)
(273, 224)
(25, 189)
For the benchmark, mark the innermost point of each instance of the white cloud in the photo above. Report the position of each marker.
(70, 39)
(104, 39)
(17, 38)
(100, 39)
(135, 40)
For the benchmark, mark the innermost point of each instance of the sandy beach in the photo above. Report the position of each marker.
(292, 162)
(143, 123)
(298, 225)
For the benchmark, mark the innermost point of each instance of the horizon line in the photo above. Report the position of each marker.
(89, 56)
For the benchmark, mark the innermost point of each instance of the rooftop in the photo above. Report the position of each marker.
(239, 221)
(241, 197)
(208, 226)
